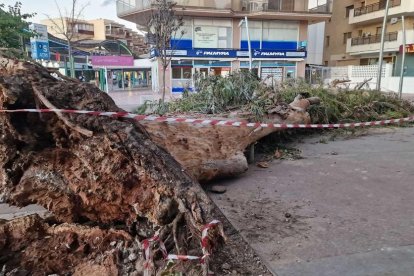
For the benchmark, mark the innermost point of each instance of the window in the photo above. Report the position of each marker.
(360, 33)
(326, 63)
(212, 33)
(187, 73)
(255, 30)
(176, 72)
(379, 30)
(348, 10)
(346, 36)
(327, 40)
(182, 72)
(280, 31)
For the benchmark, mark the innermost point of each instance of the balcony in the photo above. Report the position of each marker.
(284, 6)
(115, 33)
(127, 9)
(375, 13)
(373, 39)
(375, 7)
(371, 44)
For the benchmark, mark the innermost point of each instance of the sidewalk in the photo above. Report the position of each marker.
(344, 209)
(130, 100)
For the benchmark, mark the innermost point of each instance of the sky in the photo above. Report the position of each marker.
(96, 9)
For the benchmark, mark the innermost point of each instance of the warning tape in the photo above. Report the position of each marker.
(206, 122)
(204, 245)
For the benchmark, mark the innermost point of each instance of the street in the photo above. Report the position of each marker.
(130, 100)
(344, 209)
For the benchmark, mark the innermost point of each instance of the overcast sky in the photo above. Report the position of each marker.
(95, 9)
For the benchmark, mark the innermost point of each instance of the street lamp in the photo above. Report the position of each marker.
(381, 53)
(248, 40)
(400, 89)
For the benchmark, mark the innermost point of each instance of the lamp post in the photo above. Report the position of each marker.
(403, 57)
(381, 53)
(248, 40)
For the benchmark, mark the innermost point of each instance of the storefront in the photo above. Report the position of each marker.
(117, 73)
(272, 71)
(271, 66)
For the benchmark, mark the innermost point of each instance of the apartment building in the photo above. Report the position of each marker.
(92, 31)
(353, 34)
(215, 40)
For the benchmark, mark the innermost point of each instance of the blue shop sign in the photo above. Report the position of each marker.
(40, 50)
(278, 54)
(232, 53)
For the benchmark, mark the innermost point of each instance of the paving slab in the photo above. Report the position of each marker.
(337, 208)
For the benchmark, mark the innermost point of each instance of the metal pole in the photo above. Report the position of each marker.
(106, 81)
(403, 57)
(381, 53)
(250, 45)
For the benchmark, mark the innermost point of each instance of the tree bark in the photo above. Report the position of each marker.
(71, 61)
(164, 70)
(210, 152)
(116, 178)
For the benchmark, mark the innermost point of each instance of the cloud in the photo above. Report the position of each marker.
(107, 3)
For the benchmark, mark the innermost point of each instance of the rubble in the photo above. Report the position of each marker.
(102, 179)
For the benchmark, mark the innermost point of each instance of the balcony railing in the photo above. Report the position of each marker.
(131, 6)
(125, 6)
(375, 7)
(115, 33)
(374, 39)
(284, 6)
(325, 8)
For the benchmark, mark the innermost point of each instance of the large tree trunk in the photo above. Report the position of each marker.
(96, 171)
(209, 152)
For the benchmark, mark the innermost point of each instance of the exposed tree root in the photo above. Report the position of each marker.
(116, 179)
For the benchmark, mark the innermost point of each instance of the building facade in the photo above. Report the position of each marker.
(98, 30)
(215, 40)
(353, 34)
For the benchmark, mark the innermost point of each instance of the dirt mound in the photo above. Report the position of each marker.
(95, 175)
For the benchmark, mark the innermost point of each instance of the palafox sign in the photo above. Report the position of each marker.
(214, 53)
(112, 61)
(230, 53)
(278, 54)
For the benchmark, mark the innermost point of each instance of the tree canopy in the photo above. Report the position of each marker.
(14, 27)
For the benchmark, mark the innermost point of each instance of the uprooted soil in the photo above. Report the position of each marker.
(106, 183)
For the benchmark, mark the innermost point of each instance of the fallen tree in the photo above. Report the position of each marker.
(212, 151)
(97, 174)
(209, 152)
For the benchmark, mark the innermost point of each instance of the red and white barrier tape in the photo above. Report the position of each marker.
(204, 245)
(212, 122)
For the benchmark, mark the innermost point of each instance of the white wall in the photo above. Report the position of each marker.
(393, 84)
(358, 74)
(388, 84)
(316, 36)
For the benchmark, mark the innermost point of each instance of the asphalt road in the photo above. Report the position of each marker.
(345, 209)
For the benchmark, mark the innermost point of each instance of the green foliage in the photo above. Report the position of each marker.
(13, 26)
(216, 94)
(244, 92)
(348, 105)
